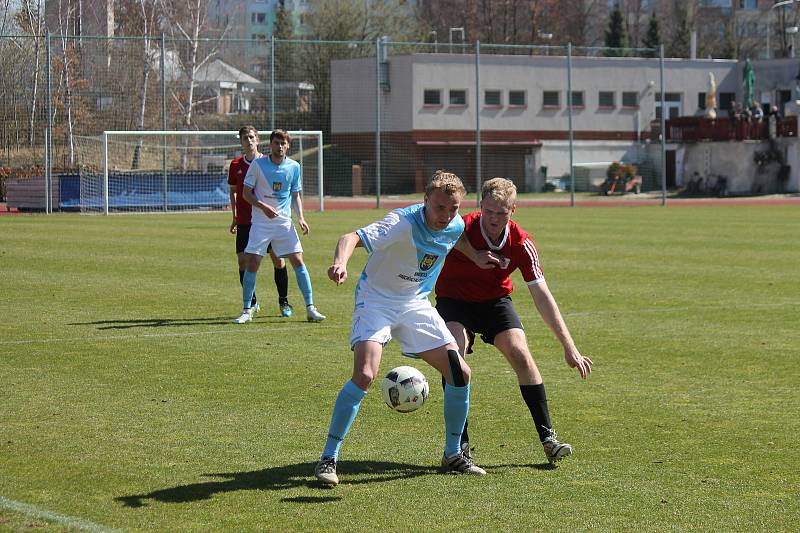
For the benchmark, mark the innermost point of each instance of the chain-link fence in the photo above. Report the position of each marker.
(391, 113)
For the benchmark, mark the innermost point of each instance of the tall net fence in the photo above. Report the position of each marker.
(390, 113)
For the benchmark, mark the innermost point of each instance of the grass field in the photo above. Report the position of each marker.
(129, 401)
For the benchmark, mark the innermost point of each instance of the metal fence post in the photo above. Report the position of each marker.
(478, 122)
(164, 155)
(663, 129)
(272, 83)
(49, 149)
(569, 116)
(378, 122)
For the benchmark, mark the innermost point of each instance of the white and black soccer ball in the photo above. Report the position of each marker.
(404, 389)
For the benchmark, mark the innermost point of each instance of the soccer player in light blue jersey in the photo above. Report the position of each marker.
(273, 187)
(406, 253)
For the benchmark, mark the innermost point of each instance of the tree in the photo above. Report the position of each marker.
(283, 31)
(683, 25)
(347, 20)
(30, 19)
(652, 39)
(141, 19)
(188, 22)
(616, 34)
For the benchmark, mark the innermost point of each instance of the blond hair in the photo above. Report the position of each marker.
(446, 182)
(500, 189)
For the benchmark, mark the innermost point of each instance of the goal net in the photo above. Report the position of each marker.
(152, 171)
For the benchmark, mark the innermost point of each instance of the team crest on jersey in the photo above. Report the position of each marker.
(277, 186)
(428, 261)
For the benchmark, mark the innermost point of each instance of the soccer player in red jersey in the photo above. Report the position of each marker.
(242, 212)
(477, 301)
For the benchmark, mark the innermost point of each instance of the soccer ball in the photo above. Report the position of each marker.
(404, 389)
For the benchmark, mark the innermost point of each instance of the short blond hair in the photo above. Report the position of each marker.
(500, 189)
(446, 182)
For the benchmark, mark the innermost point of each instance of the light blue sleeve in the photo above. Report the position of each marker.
(253, 175)
(383, 233)
(297, 178)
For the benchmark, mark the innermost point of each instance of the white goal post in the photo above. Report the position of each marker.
(157, 170)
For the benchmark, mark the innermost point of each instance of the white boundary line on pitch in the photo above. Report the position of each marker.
(44, 514)
(237, 330)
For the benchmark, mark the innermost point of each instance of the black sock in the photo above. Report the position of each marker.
(536, 399)
(464, 434)
(282, 284)
(241, 282)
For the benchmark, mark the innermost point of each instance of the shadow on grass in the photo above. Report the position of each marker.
(280, 478)
(539, 466)
(161, 322)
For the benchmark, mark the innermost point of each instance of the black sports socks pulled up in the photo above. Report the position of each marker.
(536, 400)
(282, 284)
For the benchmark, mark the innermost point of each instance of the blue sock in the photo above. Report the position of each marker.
(456, 407)
(304, 283)
(344, 412)
(248, 288)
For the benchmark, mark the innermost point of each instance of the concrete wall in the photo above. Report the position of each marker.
(736, 161)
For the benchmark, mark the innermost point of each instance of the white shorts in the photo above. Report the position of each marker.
(280, 233)
(418, 328)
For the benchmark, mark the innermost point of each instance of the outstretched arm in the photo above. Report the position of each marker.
(548, 310)
(337, 272)
(484, 258)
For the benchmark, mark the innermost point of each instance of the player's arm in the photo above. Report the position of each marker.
(483, 258)
(344, 249)
(251, 199)
(232, 194)
(550, 313)
(297, 207)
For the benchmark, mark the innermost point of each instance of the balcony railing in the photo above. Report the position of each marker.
(694, 129)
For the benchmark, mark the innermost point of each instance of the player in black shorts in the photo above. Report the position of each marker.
(473, 302)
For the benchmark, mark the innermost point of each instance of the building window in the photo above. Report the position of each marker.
(606, 99)
(701, 100)
(458, 97)
(550, 99)
(258, 18)
(672, 103)
(517, 98)
(432, 97)
(725, 100)
(630, 99)
(493, 98)
(748, 4)
(577, 99)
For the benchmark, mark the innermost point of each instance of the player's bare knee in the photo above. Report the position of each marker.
(363, 380)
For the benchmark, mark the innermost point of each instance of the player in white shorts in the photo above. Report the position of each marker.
(406, 253)
(272, 186)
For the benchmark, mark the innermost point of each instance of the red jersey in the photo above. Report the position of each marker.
(461, 279)
(236, 173)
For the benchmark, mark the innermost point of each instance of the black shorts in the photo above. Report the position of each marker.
(242, 236)
(486, 319)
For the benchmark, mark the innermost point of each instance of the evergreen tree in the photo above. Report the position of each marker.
(616, 35)
(283, 30)
(652, 38)
(680, 44)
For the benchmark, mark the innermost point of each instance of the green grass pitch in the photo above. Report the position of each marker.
(129, 401)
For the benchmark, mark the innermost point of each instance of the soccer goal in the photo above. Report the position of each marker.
(167, 171)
